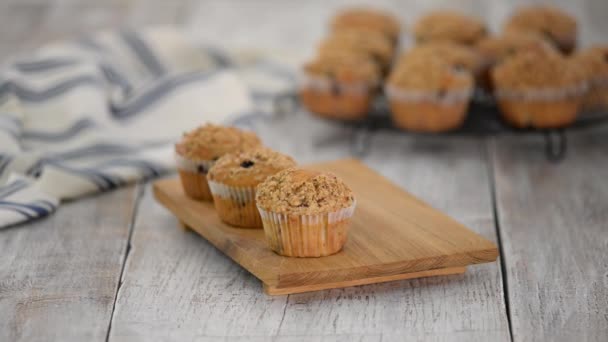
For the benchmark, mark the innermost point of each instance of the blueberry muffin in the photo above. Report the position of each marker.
(198, 150)
(427, 94)
(234, 178)
(539, 90)
(550, 22)
(305, 213)
(340, 87)
(456, 55)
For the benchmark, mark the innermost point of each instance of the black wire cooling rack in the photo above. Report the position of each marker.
(483, 119)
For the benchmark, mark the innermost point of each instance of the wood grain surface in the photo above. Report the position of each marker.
(178, 287)
(59, 276)
(554, 227)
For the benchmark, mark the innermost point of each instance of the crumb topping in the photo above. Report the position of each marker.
(369, 42)
(548, 21)
(594, 62)
(347, 68)
(249, 168)
(209, 142)
(444, 25)
(300, 191)
(494, 49)
(456, 55)
(533, 70)
(429, 73)
(367, 19)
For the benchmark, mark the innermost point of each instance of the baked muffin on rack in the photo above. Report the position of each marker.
(359, 41)
(305, 213)
(234, 178)
(340, 87)
(445, 25)
(594, 61)
(198, 150)
(370, 19)
(539, 89)
(428, 94)
(494, 49)
(456, 55)
(550, 22)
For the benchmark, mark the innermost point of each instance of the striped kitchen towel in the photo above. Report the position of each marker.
(97, 113)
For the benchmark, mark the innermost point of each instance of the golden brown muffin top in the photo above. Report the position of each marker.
(445, 25)
(372, 43)
(457, 55)
(534, 70)
(209, 142)
(594, 61)
(429, 73)
(368, 18)
(303, 192)
(494, 49)
(346, 68)
(249, 168)
(548, 21)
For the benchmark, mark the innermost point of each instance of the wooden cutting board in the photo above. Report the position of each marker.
(393, 236)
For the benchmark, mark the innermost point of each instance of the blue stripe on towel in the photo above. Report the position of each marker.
(143, 52)
(68, 133)
(43, 65)
(12, 207)
(157, 92)
(11, 188)
(33, 95)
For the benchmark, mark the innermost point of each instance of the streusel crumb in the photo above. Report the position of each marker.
(250, 167)
(428, 73)
(209, 142)
(534, 70)
(303, 192)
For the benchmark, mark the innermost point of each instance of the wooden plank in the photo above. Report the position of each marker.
(392, 234)
(553, 224)
(59, 275)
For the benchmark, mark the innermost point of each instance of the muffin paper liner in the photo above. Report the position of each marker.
(325, 83)
(307, 235)
(197, 166)
(449, 97)
(547, 94)
(236, 205)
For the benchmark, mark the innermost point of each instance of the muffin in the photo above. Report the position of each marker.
(305, 213)
(200, 148)
(427, 94)
(370, 19)
(340, 87)
(456, 55)
(363, 41)
(445, 25)
(550, 22)
(539, 90)
(233, 179)
(492, 50)
(594, 61)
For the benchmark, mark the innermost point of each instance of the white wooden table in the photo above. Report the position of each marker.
(114, 267)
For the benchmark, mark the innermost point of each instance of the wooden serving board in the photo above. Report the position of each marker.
(393, 236)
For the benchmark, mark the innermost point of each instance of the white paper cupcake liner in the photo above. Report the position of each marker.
(198, 166)
(327, 84)
(546, 94)
(239, 194)
(294, 235)
(450, 97)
